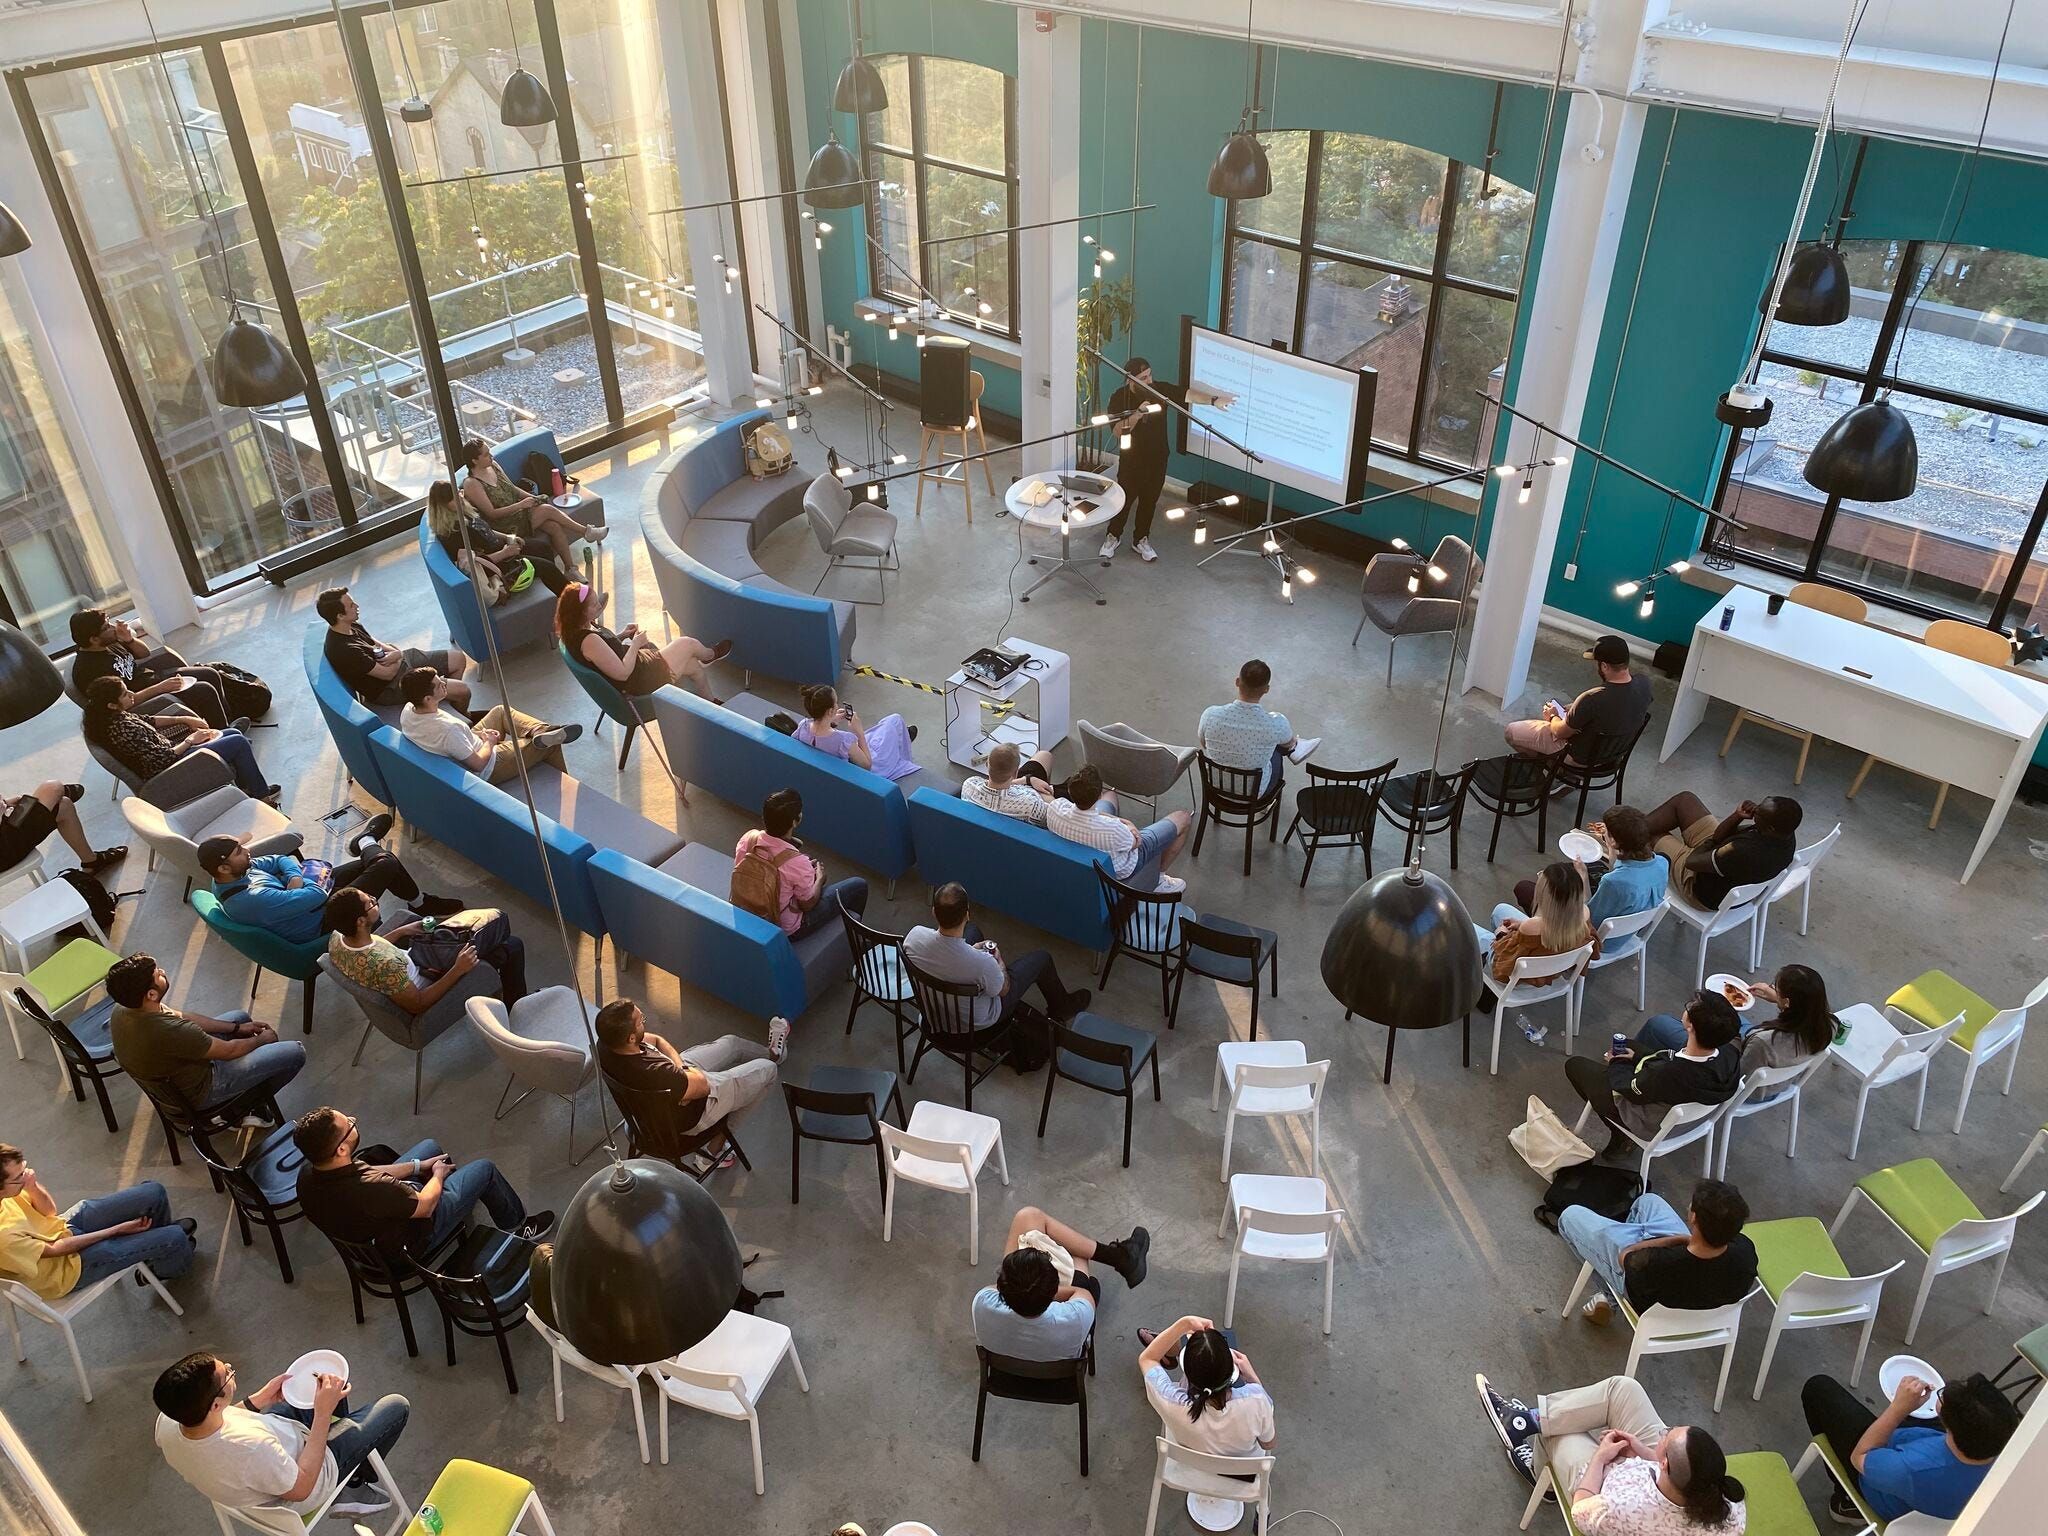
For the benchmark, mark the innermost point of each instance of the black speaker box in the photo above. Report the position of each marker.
(943, 365)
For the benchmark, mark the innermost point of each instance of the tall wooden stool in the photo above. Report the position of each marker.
(968, 434)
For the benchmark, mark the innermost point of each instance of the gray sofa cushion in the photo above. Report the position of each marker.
(763, 505)
(600, 818)
(823, 954)
(724, 547)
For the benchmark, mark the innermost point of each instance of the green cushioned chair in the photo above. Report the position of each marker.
(1934, 1214)
(2030, 1351)
(299, 962)
(1932, 998)
(1820, 1450)
(1770, 1495)
(72, 972)
(476, 1500)
(1810, 1287)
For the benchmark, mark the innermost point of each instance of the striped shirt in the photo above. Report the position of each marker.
(1105, 834)
(1015, 798)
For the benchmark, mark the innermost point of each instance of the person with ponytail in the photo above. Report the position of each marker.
(1805, 1025)
(502, 552)
(629, 659)
(1218, 1406)
(1622, 1470)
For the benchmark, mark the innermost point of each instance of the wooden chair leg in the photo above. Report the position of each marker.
(967, 477)
(1861, 774)
(1805, 746)
(1940, 799)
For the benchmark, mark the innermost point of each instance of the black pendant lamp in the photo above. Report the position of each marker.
(13, 238)
(645, 1264)
(1870, 454)
(1241, 171)
(252, 368)
(29, 683)
(860, 89)
(1816, 290)
(1403, 952)
(525, 102)
(834, 179)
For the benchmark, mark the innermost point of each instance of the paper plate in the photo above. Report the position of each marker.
(1898, 1368)
(1722, 979)
(1583, 846)
(298, 1376)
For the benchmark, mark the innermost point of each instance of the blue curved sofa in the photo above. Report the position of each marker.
(349, 720)
(702, 526)
(520, 620)
(1010, 865)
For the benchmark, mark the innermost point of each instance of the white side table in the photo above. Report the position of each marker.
(1059, 512)
(43, 913)
(969, 739)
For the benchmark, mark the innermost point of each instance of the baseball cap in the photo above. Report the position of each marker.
(1609, 651)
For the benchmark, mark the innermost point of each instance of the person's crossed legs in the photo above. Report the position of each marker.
(1031, 1227)
(1158, 846)
(1599, 1240)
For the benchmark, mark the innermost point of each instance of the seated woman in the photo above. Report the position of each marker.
(1620, 1469)
(446, 516)
(1218, 1405)
(1560, 924)
(1804, 1027)
(384, 962)
(1630, 879)
(520, 513)
(139, 744)
(833, 728)
(630, 658)
(26, 822)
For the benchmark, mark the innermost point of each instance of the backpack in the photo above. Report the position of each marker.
(539, 472)
(757, 882)
(1030, 1044)
(98, 901)
(1605, 1190)
(245, 692)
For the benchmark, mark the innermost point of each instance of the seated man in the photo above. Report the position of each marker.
(281, 894)
(709, 1083)
(1630, 879)
(1902, 1464)
(773, 878)
(1654, 1256)
(413, 966)
(1246, 734)
(1621, 1470)
(493, 747)
(1637, 1086)
(115, 648)
(263, 1453)
(1016, 786)
(409, 1204)
(54, 1255)
(1710, 857)
(955, 951)
(1086, 813)
(138, 743)
(200, 1062)
(1616, 706)
(26, 822)
(373, 670)
(1042, 1306)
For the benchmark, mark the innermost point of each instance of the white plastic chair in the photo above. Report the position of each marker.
(1768, 1088)
(1269, 1077)
(1662, 1330)
(1798, 879)
(1739, 908)
(944, 1148)
(1625, 938)
(1568, 970)
(726, 1373)
(29, 867)
(1825, 1301)
(16, 1297)
(1282, 1217)
(619, 1376)
(1683, 1125)
(1877, 1054)
(276, 1520)
(1237, 1479)
(2001, 1032)
(2033, 1148)
(1964, 1244)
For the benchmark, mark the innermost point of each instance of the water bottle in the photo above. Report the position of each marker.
(1534, 1034)
(431, 1520)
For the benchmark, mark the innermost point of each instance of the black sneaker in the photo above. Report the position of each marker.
(438, 906)
(1842, 1511)
(912, 731)
(536, 1227)
(1077, 1004)
(190, 1227)
(368, 1499)
(1127, 1256)
(1515, 1422)
(374, 831)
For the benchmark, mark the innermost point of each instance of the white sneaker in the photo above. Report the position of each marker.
(1108, 547)
(778, 1037)
(1168, 884)
(1598, 1310)
(1145, 550)
(1304, 747)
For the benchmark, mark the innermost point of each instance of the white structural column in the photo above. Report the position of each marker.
(690, 65)
(52, 309)
(1581, 229)
(1048, 187)
(750, 96)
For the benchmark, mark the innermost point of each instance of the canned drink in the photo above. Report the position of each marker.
(431, 1521)
(1618, 1042)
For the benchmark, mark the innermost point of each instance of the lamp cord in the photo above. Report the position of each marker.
(398, 37)
(220, 239)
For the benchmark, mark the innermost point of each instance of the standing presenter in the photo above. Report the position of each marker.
(1141, 468)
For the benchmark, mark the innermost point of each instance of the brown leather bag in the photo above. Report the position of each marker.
(757, 882)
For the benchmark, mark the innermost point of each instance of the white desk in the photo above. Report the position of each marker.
(969, 737)
(1955, 720)
(1058, 512)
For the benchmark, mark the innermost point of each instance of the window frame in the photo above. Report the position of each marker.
(1307, 251)
(1877, 377)
(922, 161)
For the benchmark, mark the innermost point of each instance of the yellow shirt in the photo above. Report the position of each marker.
(24, 1255)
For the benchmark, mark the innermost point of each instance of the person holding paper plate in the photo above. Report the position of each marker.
(1141, 447)
(1625, 874)
(1926, 1452)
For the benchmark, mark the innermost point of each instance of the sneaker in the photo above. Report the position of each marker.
(536, 1227)
(259, 1120)
(594, 533)
(1842, 1511)
(438, 906)
(911, 731)
(189, 1227)
(1109, 547)
(1598, 1310)
(1130, 1259)
(778, 1037)
(558, 736)
(366, 1500)
(242, 723)
(1515, 1422)
(721, 650)
(374, 831)
(1145, 550)
(273, 795)
(1304, 747)
(1169, 884)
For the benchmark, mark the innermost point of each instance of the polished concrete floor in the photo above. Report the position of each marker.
(1442, 1270)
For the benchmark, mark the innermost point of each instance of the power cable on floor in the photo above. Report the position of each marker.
(1316, 1512)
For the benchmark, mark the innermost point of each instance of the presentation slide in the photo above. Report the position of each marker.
(1307, 420)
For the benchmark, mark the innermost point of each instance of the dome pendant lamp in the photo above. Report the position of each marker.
(13, 238)
(29, 683)
(524, 103)
(1402, 952)
(252, 368)
(1241, 172)
(833, 179)
(1816, 288)
(1870, 454)
(860, 89)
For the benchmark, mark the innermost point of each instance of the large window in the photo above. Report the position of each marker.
(940, 157)
(1373, 254)
(1957, 338)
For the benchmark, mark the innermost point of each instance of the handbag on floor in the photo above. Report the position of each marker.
(1545, 1142)
(1603, 1189)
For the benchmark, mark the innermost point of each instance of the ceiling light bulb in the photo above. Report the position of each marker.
(1437, 572)
(718, 260)
(892, 332)
(986, 309)
(762, 402)
(1503, 470)
(1305, 576)
(874, 491)
(1414, 582)
(1271, 546)
(1087, 239)
(920, 341)
(870, 316)
(824, 228)
(1648, 606)
(1065, 526)
(967, 293)
(1153, 407)
(668, 312)
(1287, 588)
(1099, 419)
(1679, 567)
(815, 389)
(901, 458)
(1228, 501)
(1123, 440)
(817, 242)
(1627, 588)
(1108, 254)
(1401, 545)
(1522, 496)
(1560, 458)
(844, 471)
(1175, 514)
(1201, 530)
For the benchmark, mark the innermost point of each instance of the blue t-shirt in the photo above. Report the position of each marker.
(1915, 1469)
(1060, 1332)
(1632, 886)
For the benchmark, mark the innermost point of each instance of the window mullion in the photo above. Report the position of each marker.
(1311, 182)
(1444, 222)
(918, 141)
(2022, 557)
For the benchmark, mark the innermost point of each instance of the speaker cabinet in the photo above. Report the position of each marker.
(944, 364)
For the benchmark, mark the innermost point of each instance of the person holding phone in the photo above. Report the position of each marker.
(775, 879)
(286, 895)
(116, 648)
(1218, 1405)
(384, 961)
(1616, 706)
(837, 730)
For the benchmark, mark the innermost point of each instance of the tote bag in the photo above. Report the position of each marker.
(1546, 1142)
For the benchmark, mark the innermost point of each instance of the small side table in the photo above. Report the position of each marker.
(1058, 512)
(43, 913)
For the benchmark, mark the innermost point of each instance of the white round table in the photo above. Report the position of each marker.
(1058, 513)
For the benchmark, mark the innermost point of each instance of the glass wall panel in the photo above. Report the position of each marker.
(1361, 317)
(1264, 281)
(970, 277)
(1474, 331)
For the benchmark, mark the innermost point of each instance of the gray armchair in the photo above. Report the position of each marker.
(1131, 762)
(415, 1031)
(541, 1044)
(846, 532)
(1395, 611)
(194, 799)
(117, 770)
